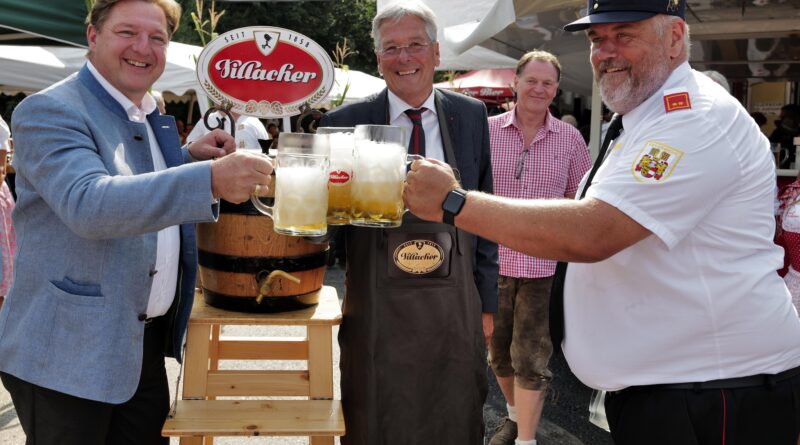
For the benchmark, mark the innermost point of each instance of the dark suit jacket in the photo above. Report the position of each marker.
(467, 125)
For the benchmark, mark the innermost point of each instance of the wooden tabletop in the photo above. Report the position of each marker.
(326, 312)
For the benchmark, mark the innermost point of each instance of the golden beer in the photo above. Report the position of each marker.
(378, 175)
(339, 201)
(340, 181)
(379, 203)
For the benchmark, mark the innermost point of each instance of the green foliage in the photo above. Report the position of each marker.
(205, 28)
(327, 23)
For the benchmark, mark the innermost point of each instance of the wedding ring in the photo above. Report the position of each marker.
(258, 190)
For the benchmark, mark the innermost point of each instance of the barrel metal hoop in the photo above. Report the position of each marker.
(245, 208)
(254, 265)
(267, 305)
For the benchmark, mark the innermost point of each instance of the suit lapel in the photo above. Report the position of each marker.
(167, 136)
(88, 80)
(163, 126)
(379, 109)
(447, 126)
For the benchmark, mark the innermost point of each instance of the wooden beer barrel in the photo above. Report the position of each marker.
(246, 266)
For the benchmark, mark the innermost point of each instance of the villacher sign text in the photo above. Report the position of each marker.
(265, 71)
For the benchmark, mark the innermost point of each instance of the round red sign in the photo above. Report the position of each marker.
(264, 71)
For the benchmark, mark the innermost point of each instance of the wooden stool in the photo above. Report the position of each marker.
(198, 417)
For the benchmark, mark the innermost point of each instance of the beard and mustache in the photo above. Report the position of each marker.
(624, 90)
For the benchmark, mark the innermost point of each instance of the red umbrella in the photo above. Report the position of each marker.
(492, 86)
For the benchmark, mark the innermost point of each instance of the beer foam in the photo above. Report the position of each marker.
(301, 196)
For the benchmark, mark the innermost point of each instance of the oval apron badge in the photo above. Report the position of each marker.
(265, 72)
(418, 256)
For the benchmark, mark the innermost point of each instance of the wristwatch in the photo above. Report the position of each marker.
(452, 205)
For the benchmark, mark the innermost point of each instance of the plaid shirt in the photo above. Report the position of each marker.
(552, 167)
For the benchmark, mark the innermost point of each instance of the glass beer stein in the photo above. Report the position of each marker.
(379, 170)
(341, 173)
(301, 186)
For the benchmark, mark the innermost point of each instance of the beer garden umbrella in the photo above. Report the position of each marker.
(43, 22)
(492, 86)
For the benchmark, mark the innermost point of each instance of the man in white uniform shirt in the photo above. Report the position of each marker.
(106, 265)
(671, 302)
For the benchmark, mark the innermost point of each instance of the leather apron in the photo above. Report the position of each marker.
(412, 351)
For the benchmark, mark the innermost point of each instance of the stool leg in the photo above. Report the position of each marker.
(320, 370)
(320, 362)
(195, 381)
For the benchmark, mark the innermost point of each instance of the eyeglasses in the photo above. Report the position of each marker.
(521, 163)
(412, 49)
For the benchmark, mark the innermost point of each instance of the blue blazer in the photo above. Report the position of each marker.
(88, 210)
(468, 128)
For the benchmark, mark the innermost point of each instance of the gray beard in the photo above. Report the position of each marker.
(636, 88)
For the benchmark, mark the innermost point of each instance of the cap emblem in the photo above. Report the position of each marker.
(673, 5)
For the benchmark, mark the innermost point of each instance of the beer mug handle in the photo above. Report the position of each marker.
(260, 206)
(410, 160)
(784, 156)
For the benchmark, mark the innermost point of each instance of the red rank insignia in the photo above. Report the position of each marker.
(677, 101)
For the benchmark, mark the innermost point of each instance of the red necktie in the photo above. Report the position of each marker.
(416, 145)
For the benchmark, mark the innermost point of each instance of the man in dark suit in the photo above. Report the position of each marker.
(106, 265)
(413, 344)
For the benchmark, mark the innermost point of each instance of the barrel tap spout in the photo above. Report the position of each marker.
(265, 285)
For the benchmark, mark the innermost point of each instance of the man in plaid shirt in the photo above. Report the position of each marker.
(534, 156)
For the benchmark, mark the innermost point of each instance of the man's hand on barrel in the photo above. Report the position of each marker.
(215, 144)
(236, 176)
(427, 184)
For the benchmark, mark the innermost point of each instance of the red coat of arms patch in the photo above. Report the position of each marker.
(655, 162)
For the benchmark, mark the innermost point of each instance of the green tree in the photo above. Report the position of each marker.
(326, 22)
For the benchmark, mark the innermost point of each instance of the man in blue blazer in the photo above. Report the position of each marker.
(413, 354)
(106, 263)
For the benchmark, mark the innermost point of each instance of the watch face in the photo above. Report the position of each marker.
(454, 201)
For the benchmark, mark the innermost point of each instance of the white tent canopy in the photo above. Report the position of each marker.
(454, 15)
(27, 69)
(362, 86)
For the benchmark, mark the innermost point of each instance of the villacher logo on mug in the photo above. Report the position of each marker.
(265, 71)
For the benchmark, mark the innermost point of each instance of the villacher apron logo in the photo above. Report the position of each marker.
(418, 256)
(265, 71)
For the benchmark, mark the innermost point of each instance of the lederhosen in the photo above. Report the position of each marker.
(412, 350)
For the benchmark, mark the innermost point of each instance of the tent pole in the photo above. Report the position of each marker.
(191, 109)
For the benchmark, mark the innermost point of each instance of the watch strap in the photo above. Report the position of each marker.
(449, 213)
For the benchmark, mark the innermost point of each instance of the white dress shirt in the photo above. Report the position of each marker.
(165, 281)
(249, 130)
(430, 124)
